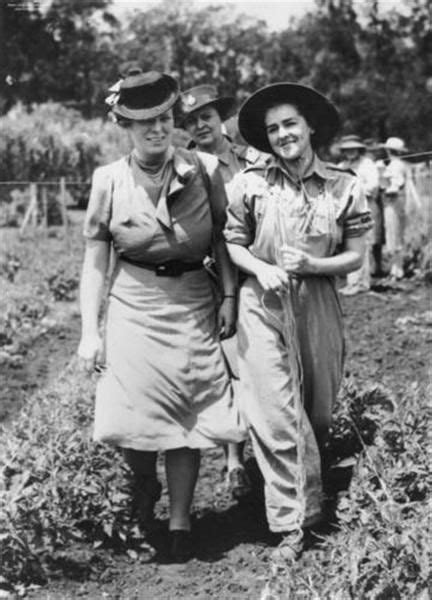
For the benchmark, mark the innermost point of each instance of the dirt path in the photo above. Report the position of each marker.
(42, 363)
(389, 339)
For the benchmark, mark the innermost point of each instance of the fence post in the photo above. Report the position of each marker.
(63, 206)
(44, 208)
(31, 212)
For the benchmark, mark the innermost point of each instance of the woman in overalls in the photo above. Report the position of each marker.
(294, 223)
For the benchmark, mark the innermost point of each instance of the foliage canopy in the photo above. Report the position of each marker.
(375, 64)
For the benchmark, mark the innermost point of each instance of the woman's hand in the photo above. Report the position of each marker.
(227, 317)
(91, 352)
(271, 277)
(297, 261)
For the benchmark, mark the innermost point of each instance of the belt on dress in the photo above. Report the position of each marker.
(170, 268)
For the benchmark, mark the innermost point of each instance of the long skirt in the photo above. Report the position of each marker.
(166, 385)
(290, 364)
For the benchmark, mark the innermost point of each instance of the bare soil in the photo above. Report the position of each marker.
(389, 339)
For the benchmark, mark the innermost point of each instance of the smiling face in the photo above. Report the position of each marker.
(152, 137)
(205, 128)
(288, 132)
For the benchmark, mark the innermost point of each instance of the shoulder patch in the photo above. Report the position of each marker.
(252, 154)
(247, 153)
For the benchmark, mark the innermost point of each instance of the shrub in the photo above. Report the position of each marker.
(382, 547)
(57, 486)
(48, 142)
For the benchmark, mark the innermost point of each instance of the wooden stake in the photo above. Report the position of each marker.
(31, 212)
(44, 221)
(63, 206)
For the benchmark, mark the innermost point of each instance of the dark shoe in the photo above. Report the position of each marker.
(290, 548)
(238, 483)
(146, 492)
(180, 546)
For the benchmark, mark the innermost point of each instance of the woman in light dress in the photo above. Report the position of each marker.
(164, 384)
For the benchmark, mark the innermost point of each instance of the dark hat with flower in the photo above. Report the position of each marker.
(140, 96)
(202, 96)
(319, 112)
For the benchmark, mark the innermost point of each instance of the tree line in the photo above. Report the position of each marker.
(376, 65)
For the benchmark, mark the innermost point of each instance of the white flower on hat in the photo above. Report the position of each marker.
(112, 99)
(190, 100)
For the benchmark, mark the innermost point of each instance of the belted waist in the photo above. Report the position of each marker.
(170, 268)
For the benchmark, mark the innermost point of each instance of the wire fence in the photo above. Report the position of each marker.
(45, 203)
(26, 204)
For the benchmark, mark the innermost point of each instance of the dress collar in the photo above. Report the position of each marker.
(178, 176)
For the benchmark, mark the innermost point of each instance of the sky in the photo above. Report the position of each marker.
(277, 13)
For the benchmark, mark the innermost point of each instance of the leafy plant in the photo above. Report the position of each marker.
(381, 550)
(63, 286)
(58, 487)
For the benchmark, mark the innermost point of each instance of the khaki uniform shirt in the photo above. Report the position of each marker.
(267, 208)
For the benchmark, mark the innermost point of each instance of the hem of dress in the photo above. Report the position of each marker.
(285, 528)
(121, 443)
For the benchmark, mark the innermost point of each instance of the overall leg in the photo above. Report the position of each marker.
(320, 333)
(271, 402)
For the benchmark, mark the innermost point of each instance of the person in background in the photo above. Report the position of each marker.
(294, 223)
(203, 115)
(164, 384)
(394, 181)
(354, 157)
(401, 201)
(375, 152)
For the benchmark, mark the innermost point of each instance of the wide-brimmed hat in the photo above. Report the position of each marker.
(396, 144)
(320, 113)
(202, 96)
(142, 96)
(351, 142)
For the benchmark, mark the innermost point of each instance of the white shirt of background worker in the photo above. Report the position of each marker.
(396, 181)
(353, 151)
(203, 115)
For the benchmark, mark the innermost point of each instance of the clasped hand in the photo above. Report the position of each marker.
(293, 261)
(296, 261)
